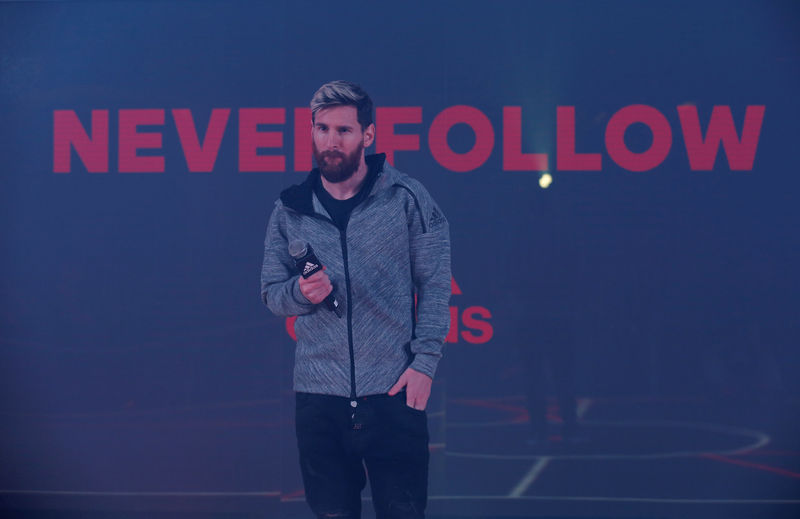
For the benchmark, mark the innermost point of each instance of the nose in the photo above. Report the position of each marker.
(332, 140)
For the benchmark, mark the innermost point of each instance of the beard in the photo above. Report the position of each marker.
(336, 166)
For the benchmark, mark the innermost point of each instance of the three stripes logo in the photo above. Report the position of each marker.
(309, 267)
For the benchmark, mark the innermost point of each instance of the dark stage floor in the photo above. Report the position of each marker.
(632, 457)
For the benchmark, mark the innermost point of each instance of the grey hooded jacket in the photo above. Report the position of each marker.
(394, 250)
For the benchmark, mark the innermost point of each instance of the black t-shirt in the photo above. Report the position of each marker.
(340, 209)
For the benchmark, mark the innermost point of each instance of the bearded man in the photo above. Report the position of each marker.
(362, 380)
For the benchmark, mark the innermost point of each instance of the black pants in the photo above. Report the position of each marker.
(336, 440)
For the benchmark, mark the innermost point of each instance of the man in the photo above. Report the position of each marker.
(362, 380)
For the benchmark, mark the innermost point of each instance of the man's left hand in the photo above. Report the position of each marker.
(418, 388)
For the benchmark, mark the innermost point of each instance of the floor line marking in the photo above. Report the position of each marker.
(611, 500)
(274, 493)
(759, 440)
(293, 495)
(763, 452)
(750, 464)
(624, 499)
(530, 477)
(437, 498)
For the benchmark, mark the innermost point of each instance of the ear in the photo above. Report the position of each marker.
(369, 135)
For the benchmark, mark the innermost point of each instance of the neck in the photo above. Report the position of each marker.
(350, 187)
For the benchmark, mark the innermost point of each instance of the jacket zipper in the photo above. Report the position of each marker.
(343, 239)
(343, 236)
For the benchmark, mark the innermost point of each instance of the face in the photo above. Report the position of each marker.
(338, 142)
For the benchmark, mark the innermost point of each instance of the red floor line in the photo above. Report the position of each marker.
(758, 466)
(292, 495)
(769, 453)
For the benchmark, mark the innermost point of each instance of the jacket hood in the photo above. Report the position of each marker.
(299, 197)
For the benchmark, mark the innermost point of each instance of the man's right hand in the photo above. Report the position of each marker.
(316, 287)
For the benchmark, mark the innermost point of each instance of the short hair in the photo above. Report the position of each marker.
(343, 93)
